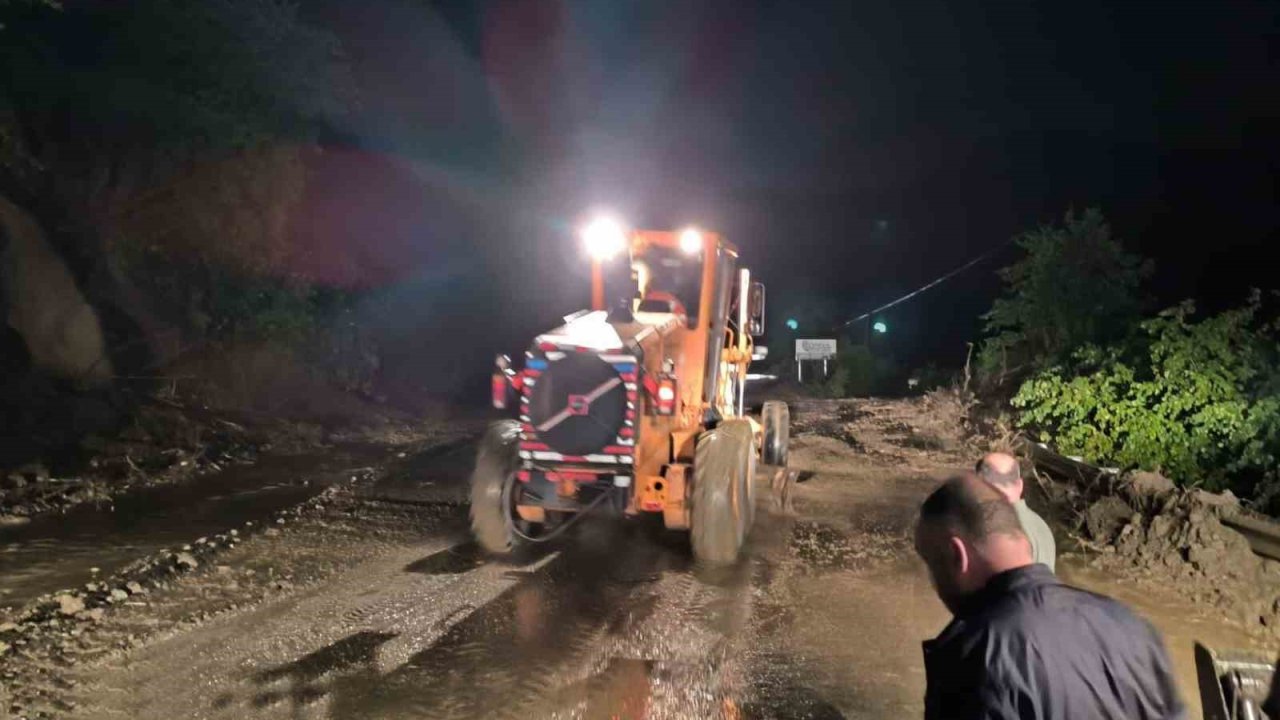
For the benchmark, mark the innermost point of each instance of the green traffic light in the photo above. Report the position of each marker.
(792, 324)
(880, 327)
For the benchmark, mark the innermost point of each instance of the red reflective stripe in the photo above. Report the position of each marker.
(618, 449)
(573, 458)
(547, 346)
(650, 385)
(500, 390)
(532, 373)
(626, 432)
(533, 446)
(575, 476)
(628, 377)
(523, 476)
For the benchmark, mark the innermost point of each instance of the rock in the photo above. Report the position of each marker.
(14, 481)
(271, 532)
(135, 588)
(223, 569)
(69, 604)
(94, 615)
(185, 560)
(34, 472)
(1145, 489)
(1224, 503)
(118, 595)
(11, 626)
(4, 647)
(1105, 517)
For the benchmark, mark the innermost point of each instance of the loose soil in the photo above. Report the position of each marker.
(369, 601)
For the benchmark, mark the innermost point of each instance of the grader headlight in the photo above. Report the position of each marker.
(691, 241)
(604, 238)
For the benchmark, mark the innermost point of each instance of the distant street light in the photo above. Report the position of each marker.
(880, 327)
(792, 324)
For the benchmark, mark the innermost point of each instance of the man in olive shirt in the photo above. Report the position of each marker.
(1002, 472)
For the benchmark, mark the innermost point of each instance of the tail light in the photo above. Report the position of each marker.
(664, 395)
(504, 381)
(501, 390)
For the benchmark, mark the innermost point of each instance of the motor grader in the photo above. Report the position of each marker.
(635, 405)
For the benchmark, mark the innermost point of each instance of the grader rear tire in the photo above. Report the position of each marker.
(720, 514)
(496, 464)
(776, 419)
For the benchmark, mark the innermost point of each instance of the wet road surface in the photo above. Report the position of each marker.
(58, 551)
(819, 620)
(822, 618)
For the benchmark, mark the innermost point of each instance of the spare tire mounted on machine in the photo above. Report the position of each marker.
(578, 404)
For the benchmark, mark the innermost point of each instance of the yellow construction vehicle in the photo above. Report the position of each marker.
(636, 405)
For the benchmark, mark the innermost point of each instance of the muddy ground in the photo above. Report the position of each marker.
(369, 601)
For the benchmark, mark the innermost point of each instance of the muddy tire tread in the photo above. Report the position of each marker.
(719, 503)
(495, 461)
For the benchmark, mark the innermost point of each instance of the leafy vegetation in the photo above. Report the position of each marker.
(1196, 400)
(859, 372)
(1075, 285)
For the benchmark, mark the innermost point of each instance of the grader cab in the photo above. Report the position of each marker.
(636, 405)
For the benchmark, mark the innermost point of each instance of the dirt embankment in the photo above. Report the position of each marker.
(174, 441)
(1142, 526)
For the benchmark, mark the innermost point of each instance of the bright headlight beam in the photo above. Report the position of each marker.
(604, 238)
(691, 241)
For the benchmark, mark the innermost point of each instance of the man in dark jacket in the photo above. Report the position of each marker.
(1021, 644)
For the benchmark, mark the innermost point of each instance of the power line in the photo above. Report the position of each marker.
(921, 289)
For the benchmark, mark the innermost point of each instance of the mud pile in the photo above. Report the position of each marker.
(1176, 537)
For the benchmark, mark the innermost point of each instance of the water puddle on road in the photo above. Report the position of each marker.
(55, 552)
(453, 561)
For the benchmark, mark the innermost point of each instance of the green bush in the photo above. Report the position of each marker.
(1075, 284)
(1199, 401)
(859, 372)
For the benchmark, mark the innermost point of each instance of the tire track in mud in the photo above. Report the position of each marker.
(626, 628)
(619, 622)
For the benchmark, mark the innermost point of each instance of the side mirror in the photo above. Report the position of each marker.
(760, 353)
(755, 306)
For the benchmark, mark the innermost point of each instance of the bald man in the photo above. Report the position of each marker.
(1002, 472)
(1021, 644)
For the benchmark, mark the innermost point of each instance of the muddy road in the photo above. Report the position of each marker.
(376, 605)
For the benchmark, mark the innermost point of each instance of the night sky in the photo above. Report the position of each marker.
(854, 150)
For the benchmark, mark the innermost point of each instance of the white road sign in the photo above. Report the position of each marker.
(815, 349)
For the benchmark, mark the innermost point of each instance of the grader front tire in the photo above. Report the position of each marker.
(720, 513)
(491, 522)
(776, 418)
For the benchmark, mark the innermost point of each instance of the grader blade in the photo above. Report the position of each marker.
(1235, 684)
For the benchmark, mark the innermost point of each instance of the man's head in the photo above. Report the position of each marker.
(1002, 471)
(968, 533)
